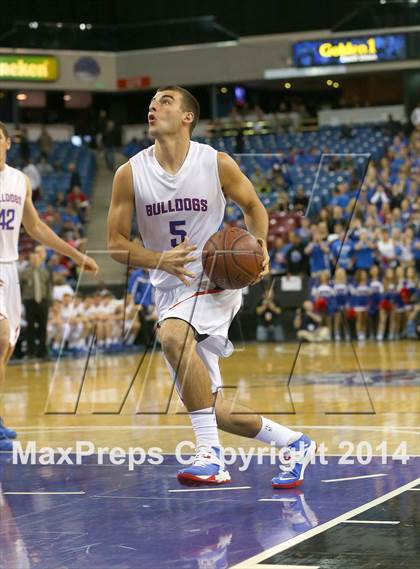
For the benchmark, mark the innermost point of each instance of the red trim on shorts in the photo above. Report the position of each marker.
(199, 293)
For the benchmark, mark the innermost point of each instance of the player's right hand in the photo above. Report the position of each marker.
(174, 261)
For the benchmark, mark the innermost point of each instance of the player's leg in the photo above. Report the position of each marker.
(240, 420)
(178, 342)
(193, 383)
(381, 325)
(5, 353)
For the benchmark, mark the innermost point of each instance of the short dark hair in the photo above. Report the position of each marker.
(4, 130)
(190, 103)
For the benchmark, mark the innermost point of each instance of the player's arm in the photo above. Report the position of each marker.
(237, 187)
(40, 231)
(129, 252)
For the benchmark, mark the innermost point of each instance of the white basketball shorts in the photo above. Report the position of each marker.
(10, 300)
(210, 312)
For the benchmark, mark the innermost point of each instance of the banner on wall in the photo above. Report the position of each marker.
(28, 68)
(339, 51)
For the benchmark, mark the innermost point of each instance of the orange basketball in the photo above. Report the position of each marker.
(232, 258)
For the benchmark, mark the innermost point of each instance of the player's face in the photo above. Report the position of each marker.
(166, 115)
(4, 147)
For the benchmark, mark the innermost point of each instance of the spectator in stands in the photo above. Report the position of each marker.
(308, 324)
(301, 200)
(386, 248)
(58, 266)
(45, 142)
(36, 295)
(61, 287)
(44, 167)
(101, 124)
(25, 150)
(41, 251)
(364, 251)
(34, 176)
(296, 258)
(55, 327)
(278, 264)
(140, 287)
(341, 249)
(74, 176)
(60, 199)
(109, 142)
(392, 126)
(69, 219)
(58, 167)
(269, 322)
(281, 205)
(318, 252)
(80, 203)
(304, 231)
(126, 321)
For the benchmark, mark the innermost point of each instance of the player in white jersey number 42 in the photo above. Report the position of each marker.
(16, 208)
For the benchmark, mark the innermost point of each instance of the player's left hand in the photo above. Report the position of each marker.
(266, 262)
(88, 264)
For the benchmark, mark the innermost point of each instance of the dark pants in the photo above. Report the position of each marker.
(37, 314)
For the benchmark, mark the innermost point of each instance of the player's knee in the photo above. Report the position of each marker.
(175, 341)
(4, 345)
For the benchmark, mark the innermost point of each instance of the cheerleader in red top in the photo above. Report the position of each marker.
(411, 306)
(387, 307)
(401, 300)
(324, 300)
(376, 295)
(341, 291)
(359, 297)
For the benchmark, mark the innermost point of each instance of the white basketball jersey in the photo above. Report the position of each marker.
(12, 201)
(170, 207)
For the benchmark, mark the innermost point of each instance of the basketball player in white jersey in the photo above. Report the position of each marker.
(179, 188)
(16, 207)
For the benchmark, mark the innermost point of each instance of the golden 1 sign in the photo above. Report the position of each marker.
(350, 51)
(28, 68)
(339, 51)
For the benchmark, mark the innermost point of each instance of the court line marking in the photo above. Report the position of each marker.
(44, 493)
(354, 478)
(370, 522)
(414, 489)
(210, 489)
(252, 562)
(264, 566)
(276, 500)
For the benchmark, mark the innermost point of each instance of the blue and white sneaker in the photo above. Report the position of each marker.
(300, 454)
(6, 444)
(10, 433)
(207, 468)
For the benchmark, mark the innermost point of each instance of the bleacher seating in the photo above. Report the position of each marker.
(64, 153)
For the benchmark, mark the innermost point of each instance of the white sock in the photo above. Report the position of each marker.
(272, 432)
(204, 425)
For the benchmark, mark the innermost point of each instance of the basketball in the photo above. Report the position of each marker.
(232, 258)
